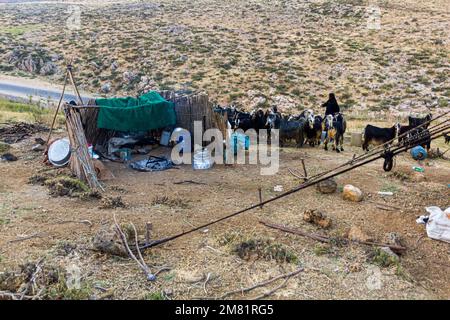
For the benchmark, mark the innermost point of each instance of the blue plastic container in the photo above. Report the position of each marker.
(239, 141)
(419, 153)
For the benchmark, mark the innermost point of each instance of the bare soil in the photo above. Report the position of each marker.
(331, 272)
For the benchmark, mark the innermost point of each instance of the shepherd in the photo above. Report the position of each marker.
(331, 105)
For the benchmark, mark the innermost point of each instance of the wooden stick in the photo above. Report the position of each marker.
(190, 182)
(384, 205)
(69, 69)
(266, 294)
(6, 295)
(148, 229)
(264, 283)
(86, 222)
(34, 235)
(260, 198)
(384, 208)
(327, 239)
(57, 109)
(296, 175)
(304, 170)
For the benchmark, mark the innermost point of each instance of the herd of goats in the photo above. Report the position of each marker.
(313, 129)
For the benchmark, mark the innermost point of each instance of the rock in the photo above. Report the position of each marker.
(8, 157)
(37, 147)
(327, 186)
(393, 238)
(48, 68)
(355, 267)
(390, 253)
(318, 218)
(352, 193)
(106, 87)
(114, 66)
(284, 103)
(129, 76)
(106, 240)
(103, 173)
(356, 234)
(39, 141)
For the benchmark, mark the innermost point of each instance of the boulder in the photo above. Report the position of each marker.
(352, 193)
(327, 186)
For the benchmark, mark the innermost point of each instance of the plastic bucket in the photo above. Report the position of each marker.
(59, 152)
(419, 153)
(202, 160)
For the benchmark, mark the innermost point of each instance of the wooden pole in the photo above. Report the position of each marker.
(304, 170)
(57, 108)
(69, 69)
(260, 198)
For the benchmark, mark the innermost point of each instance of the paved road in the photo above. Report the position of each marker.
(14, 90)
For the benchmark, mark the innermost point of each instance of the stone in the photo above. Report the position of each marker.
(48, 68)
(129, 76)
(393, 238)
(37, 147)
(357, 234)
(355, 267)
(327, 186)
(8, 157)
(106, 87)
(107, 240)
(318, 218)
(390, 253)
(114, 66)
(352, 193)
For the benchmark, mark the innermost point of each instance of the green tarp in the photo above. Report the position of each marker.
(147, 112)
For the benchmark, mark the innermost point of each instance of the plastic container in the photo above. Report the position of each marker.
(59, 152)
(419, 153)
(239, 141)
(165, 138)
(202, 160)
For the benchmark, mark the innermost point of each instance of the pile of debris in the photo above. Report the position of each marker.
(12, 133)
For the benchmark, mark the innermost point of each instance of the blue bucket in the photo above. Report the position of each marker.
(419, 153)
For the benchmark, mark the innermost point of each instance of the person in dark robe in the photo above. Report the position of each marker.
(331, 105)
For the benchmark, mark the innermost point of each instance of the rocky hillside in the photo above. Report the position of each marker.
(253, 53)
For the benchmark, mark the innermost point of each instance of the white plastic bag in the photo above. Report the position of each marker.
(438, 226)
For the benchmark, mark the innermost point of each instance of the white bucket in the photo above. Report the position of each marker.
(202, 160)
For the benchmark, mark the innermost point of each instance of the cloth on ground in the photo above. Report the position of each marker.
(152, 164)
(146, 112)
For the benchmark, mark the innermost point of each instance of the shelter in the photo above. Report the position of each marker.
(98, 120)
